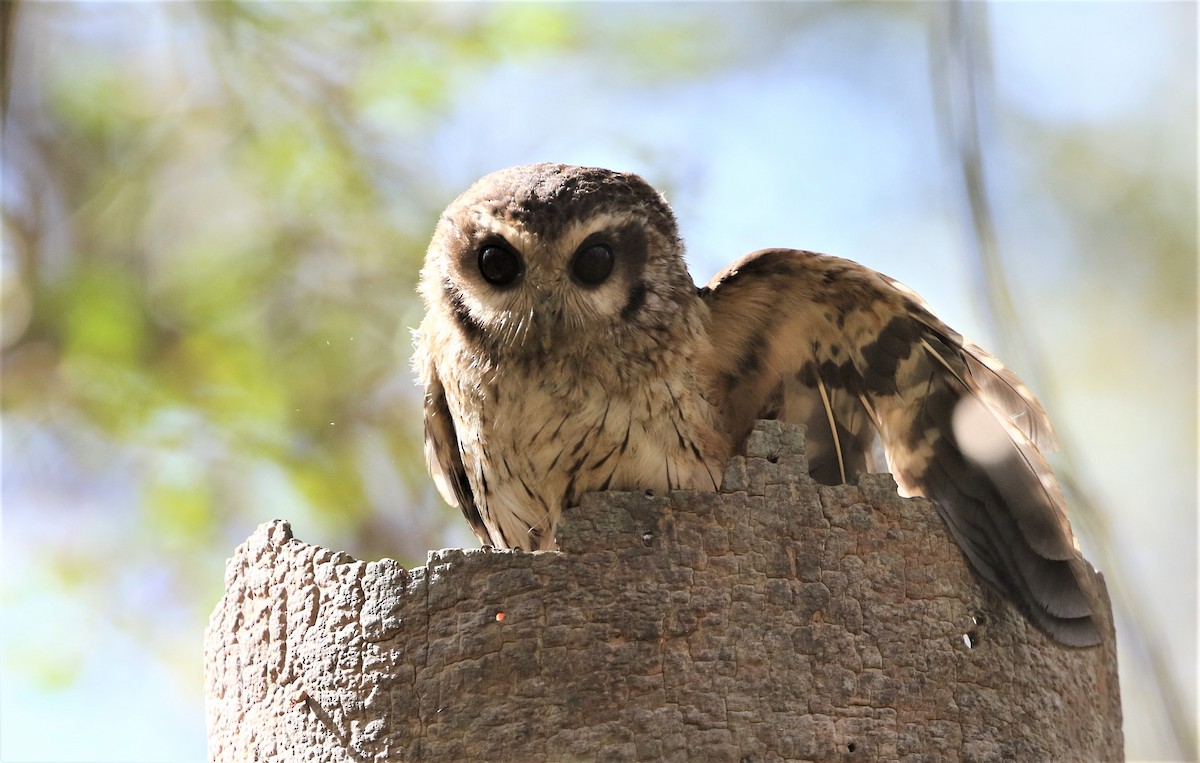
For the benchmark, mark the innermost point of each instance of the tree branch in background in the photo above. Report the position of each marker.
(8, 21)
(962, 81)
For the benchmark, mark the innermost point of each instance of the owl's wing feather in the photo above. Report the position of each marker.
(444, 458)
(1004, 391)
(859, 358)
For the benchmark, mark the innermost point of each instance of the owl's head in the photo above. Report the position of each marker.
(547, 255)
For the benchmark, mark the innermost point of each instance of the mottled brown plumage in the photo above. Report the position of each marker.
(566, 350)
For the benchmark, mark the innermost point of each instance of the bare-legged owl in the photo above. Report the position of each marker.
(566, 349)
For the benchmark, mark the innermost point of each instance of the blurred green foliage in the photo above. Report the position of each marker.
(213, 227)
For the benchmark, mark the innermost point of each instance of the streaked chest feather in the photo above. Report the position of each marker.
(540, 446)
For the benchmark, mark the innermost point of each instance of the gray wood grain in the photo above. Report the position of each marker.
(776, 620)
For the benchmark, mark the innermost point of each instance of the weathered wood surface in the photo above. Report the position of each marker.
(777, 620)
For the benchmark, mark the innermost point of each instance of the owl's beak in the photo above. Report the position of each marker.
(545, 320)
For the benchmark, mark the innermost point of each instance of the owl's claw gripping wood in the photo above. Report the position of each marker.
(566, 349)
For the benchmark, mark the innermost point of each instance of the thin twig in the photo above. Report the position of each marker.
(8, 26)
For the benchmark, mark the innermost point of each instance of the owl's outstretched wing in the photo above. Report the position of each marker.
(444, 458)
(860, 360)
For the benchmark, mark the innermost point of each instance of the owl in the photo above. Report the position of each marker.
(566, 349)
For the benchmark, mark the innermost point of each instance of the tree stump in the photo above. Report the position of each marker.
(776, 620)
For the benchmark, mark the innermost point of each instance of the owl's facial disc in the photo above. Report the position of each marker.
(551, 255)
(581, 280)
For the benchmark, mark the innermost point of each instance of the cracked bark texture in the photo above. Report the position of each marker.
(776, 620)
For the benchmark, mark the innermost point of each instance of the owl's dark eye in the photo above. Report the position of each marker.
(499, 266)
(592, 264)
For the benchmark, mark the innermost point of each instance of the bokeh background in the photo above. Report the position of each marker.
(214, 215)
